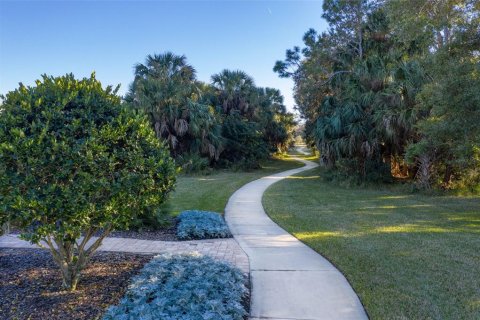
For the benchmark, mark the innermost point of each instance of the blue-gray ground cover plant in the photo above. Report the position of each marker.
(196, 224)
(183, 287)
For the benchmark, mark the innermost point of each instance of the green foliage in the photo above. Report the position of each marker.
(74, 162)
(155, 219)
(376, 90)
(244, 146)
(235, 92)
(450, 132)
(166, 88)
(196, 224)
(345, 173)
(278, 124)
(255, 121)
(188, 287)
(192, 163)
(194, 117)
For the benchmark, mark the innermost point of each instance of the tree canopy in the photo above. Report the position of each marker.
(229, 121)
(392, 88)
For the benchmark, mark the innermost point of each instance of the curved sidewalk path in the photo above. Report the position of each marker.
(289, 280)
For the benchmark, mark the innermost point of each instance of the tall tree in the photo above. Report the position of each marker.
(382, 86)
(255, 121)
(235, 90)
(167, 89)
(347, 19)
(449, 33)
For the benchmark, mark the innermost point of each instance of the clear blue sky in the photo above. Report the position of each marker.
(109, 37)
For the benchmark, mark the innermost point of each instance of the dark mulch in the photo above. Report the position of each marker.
(30, 285)
(166, 234)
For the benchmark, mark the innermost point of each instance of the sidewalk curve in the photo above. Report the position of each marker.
(289, 280)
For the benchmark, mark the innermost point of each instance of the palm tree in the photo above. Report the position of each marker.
(166, 88)
(236, 91)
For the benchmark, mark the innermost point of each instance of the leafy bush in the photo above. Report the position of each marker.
(155, 219)
(244, 147)
(74, 162)
(188, 287)
(195, 224)
(192, 163)
(345, 172)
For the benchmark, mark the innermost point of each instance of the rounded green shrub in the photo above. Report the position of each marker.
(74, 162)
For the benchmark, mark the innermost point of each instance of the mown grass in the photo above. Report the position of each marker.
(211, 192)
(408, 256)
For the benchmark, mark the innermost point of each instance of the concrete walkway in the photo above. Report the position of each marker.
(289, 280)
(220, 249)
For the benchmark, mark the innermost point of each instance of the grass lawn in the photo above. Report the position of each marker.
(408, 256)
(211, 192)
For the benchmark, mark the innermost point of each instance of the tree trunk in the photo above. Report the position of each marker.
(360, 29)
(404, 170)
(439, 40)
(447, 177)
(446, 35)
(71, 257)
(5, 228)
(387, 159)
(70, 276)
(412, 171)
(423, 175)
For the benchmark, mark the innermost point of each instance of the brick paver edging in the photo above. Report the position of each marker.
(220, 249)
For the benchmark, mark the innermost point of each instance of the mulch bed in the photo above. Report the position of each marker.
(30, 285)
(167, 234)
(164, 234)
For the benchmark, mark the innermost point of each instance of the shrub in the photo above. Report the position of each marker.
(74, 162)
(188, 287)
(156, 219)
(346, 172)
(245, 146)
(192, 163)
(195, 224)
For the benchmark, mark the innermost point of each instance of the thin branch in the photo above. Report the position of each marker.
(98, 242)
(86, 237)
(55, 253)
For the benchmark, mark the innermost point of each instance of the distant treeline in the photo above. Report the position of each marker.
(228, 122)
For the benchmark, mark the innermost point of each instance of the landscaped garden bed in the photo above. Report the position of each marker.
(188, 286)
(30, 282)
(189, 225)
